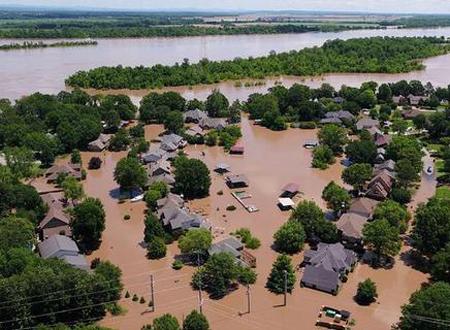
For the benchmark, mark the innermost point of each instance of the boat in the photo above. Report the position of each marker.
(138, 198)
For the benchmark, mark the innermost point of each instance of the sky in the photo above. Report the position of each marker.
(380, 6)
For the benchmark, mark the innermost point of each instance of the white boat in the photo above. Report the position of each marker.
(138, 198)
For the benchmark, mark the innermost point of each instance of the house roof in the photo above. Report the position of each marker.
(331, 120)
(162, 164)
(194, 115)
(54, 212)
(217, 123)
(351, 224)
(57, 243)
(388, 165)
(222, 167)
(286, 202)
(320, 277)
(231, 245)
(382, 140)
(195, 130)
(239, 178)
(166, 178)
(333, 257)
(363, 206)
(366, 123)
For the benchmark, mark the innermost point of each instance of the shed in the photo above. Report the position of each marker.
(237, 181)
(237, 149)
(285, 203)
(222, 168)
(310, 144)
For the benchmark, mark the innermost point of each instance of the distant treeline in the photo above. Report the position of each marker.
(136, 29)
(420, 21)
(378, 54)
(40, 44)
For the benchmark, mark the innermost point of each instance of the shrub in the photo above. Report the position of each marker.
(135, 297)
(177, 264)
(127, 295)
(307, 125)
(126, 217)
(142, 300)
(231, 208)
(367, 292)
(401, 195)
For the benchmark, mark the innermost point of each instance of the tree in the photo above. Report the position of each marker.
(234, 115)
(156, 248)
(314, 222)
(282, 268)
(192, 177)
(166, 322)
(357, 175)
(95, 163)
(73, 189)
(174, 122)
(334, 137)
(384, 93)
(401, 195)
(367, 292)
(195, 321)
(429, 303)
(404, 147)
(195, 241)
(130, 174)
(219, 273)
(406, 173)
(19, 160)
(367, 99)
(290, 237)
(440, 265)
(75, 156)
(217, 104)
(362, 151)
(120, 141)
(337, 198)
(322, 157)
(274, 120)
(153, 228)
(384, 239)
(16, 233)
(431, 232)
(397, 215)
(88, 222)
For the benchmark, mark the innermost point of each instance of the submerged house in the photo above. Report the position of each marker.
(327, 267)
(55, 222)
(290, 190)
(63, 247)
(100, 144)
(363, 206)
(70, 169)
(381, 185)
(237, 181)
(234, 247)
(310, 144)
(176, 218)
(172, 142)
(213, 123)
(350, 226)
(156, 155)
(194, 116)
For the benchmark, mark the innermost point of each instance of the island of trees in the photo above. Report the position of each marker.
(383, 55)
(41, 44)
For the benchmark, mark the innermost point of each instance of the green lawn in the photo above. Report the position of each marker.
(443, 192)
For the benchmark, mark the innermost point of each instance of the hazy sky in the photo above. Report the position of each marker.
(398, 6)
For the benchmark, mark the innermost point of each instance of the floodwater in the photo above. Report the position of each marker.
(271, 160)
(25, 71)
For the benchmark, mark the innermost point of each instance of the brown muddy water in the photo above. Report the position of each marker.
(271, 160)
(25, 71)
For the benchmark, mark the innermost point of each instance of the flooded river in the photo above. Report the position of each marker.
(25, 71)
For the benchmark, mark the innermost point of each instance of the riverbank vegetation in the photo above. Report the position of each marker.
(383, 55)
(40, 44)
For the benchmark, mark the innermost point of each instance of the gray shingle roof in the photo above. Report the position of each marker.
(57, 246)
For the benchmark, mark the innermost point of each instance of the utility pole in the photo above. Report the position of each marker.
(285, 287)
(152, 293)
(200, 299)
(248, 299)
